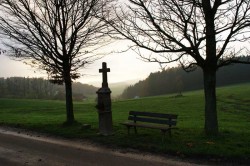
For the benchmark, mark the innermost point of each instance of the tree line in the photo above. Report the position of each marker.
(176, 80)
(39, 88)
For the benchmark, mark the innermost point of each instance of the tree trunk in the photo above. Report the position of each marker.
(211, 122)
(69, 101)
(209, 71)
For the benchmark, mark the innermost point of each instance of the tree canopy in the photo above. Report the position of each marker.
(196, 33)
(58, 36)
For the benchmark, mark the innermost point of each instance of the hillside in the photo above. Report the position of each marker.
(188, 140)
(118, 87)
(176, 80)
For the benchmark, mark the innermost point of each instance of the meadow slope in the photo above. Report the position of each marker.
(188, 140)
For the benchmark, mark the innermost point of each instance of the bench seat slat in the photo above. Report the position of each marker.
(131, 124)
(152, 114)
(151, 120)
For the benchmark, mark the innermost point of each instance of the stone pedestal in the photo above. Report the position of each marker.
(105, 123)
(104, 111)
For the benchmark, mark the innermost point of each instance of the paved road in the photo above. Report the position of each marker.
(21, 149)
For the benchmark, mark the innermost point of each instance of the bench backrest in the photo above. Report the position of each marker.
(151, 117)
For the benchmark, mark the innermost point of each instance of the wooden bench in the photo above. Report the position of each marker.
(164, 122)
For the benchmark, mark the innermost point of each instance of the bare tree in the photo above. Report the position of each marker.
(196, 33)
(58, 36)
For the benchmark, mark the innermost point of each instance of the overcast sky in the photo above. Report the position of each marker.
(124, 67)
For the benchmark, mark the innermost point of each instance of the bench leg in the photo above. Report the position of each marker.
(163, 135)
(135, 129)
(170, 134)
(128, 127)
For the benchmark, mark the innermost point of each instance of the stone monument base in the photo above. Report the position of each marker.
(105, 123)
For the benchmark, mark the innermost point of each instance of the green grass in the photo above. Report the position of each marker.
(187, 141)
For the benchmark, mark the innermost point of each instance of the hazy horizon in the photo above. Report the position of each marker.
(125, 67)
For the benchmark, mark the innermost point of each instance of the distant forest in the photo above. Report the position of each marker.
(176, 80)
(39, 88)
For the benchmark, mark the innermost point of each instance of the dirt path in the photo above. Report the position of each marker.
(25, 148)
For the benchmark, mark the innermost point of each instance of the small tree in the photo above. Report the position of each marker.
(58, 36)
(195, 33)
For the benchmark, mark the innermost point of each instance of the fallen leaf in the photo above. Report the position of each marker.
(210, 143)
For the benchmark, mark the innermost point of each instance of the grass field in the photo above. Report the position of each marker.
(187, 141)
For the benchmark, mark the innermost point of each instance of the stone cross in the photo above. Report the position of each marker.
(104, 72)
(104, 104)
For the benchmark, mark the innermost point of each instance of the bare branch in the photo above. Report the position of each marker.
(173, 28)
(54, 33)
